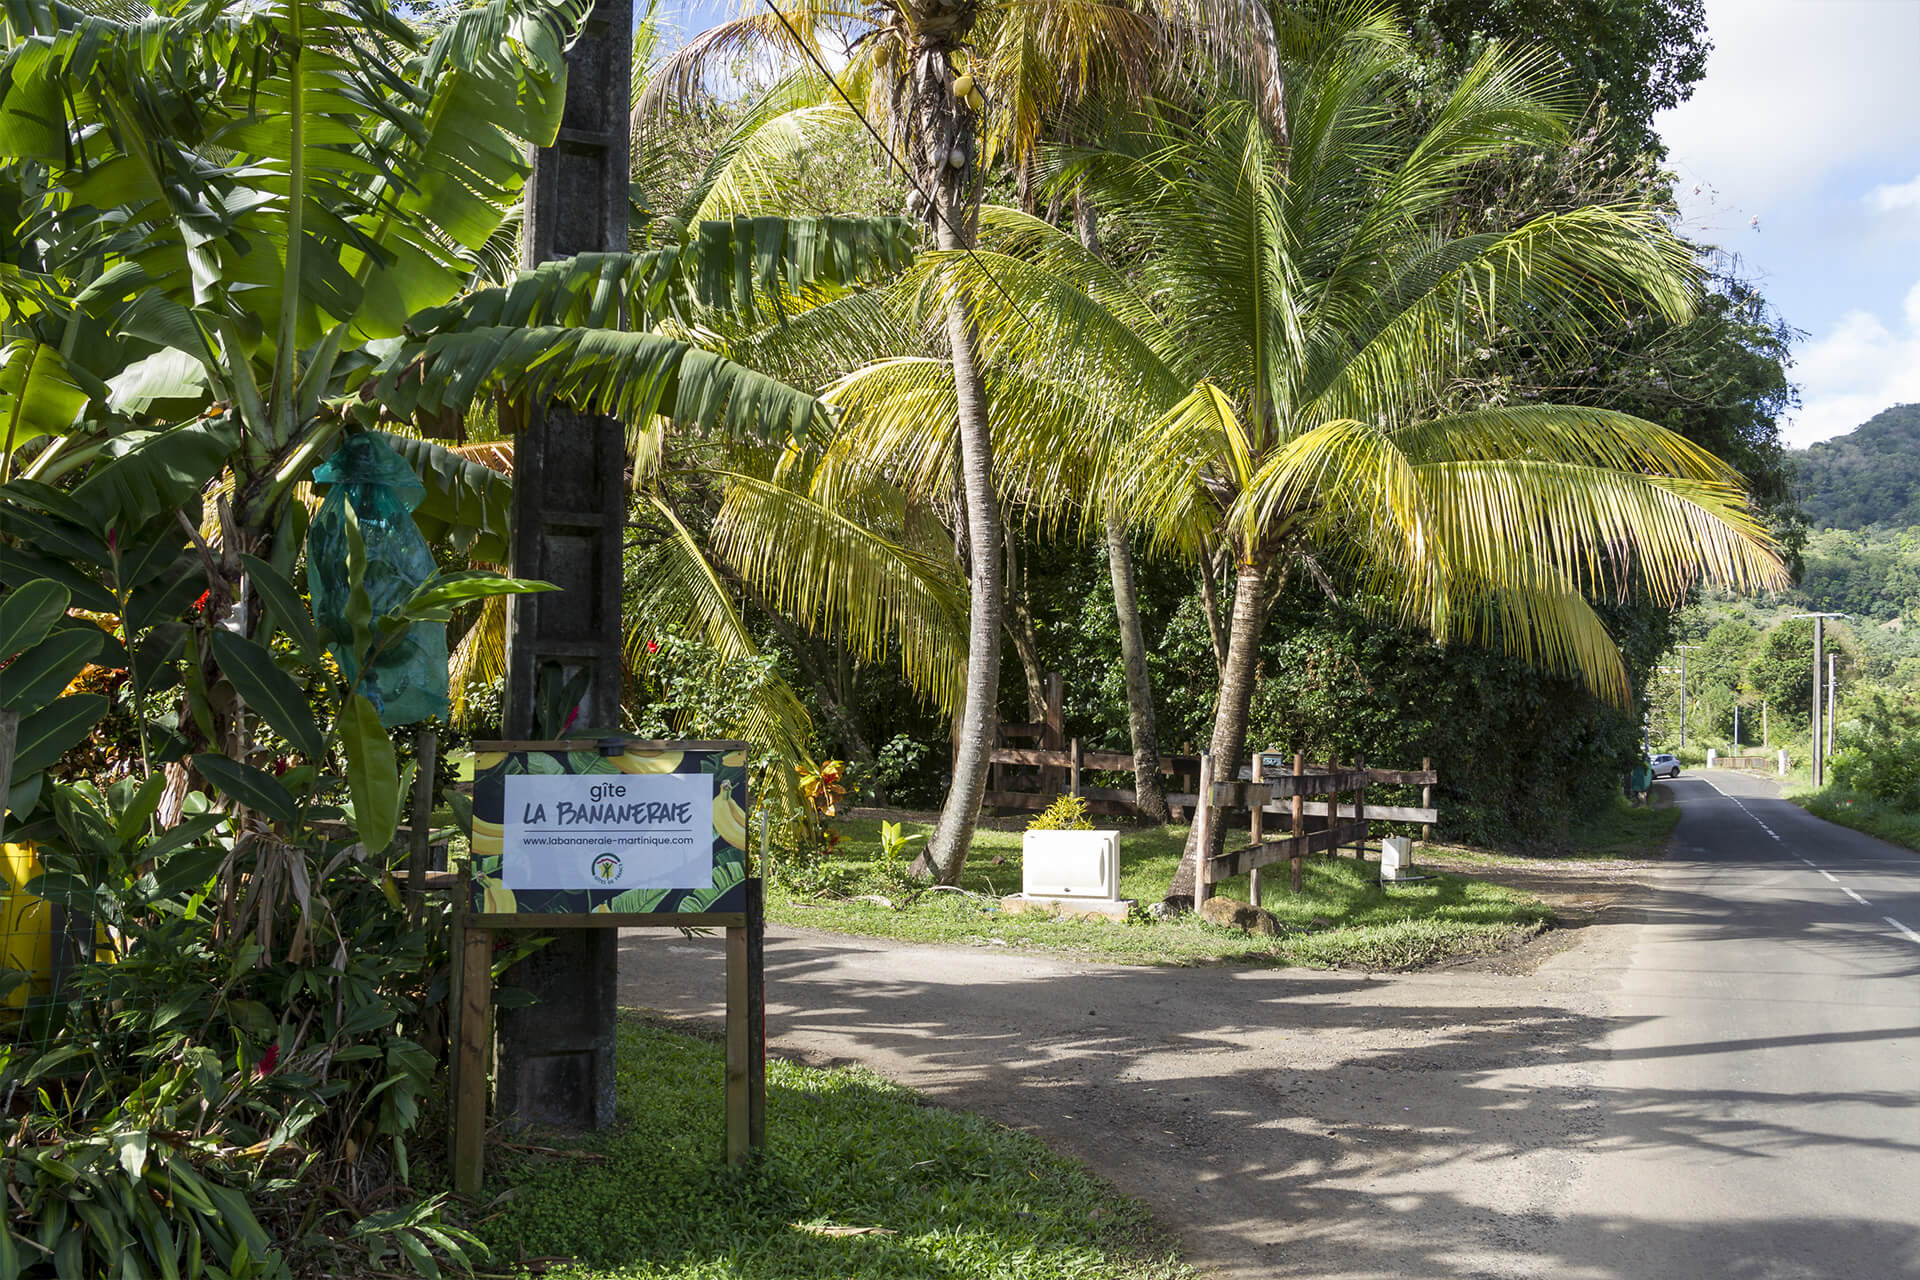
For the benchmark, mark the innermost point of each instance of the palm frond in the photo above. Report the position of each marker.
(680, 588)
(631, 376)
(701, 64)
(846, 580)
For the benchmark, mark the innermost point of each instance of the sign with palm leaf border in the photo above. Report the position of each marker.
(493, 894)
(729, 899)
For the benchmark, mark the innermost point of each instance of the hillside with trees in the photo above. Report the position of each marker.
(1866, 478)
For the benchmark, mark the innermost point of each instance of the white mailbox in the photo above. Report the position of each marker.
(1396, 858)
(1070, 864)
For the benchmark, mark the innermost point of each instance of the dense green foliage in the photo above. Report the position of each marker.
(863, 1180)
(1635, 56)
(1873, 573)
(1866, 478)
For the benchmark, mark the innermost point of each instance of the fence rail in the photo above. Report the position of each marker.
(1069, 766)
(1256, 795)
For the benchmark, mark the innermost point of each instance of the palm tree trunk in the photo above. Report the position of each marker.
(1150, 793)
(1020, 630)
(1236, 694)
(943, 128)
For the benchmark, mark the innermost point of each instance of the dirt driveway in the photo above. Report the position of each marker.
(1282, 1122)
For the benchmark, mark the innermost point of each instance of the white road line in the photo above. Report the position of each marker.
(1856, 897)
(1829, 875)
(1910, 935)
(1810, 862)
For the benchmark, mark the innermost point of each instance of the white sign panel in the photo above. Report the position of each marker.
(608, 831)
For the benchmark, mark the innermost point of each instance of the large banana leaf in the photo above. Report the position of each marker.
(237, 181)
(728, 265)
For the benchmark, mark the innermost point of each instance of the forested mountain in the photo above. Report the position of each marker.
(1868, 477)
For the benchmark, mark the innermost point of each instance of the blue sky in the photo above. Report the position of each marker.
(1800, 154)
(1808, 121)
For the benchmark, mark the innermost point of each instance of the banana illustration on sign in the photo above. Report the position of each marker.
(650, 761)
(729, 820)
(497, 899)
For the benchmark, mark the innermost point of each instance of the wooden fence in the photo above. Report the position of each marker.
(1306, 790)
(1050, 773)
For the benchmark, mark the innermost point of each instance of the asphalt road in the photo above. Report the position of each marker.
(1762, 1070)
(1721, 1080)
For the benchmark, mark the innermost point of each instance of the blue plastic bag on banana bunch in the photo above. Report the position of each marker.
(407, 680)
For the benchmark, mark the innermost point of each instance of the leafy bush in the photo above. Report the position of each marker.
(248, 1032)
(1880, 753)
(1067, 813)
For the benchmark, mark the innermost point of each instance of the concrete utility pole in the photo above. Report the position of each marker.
(1683, 689)
(1819, 644)
(569, 505)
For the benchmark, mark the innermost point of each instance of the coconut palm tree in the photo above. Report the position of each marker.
(1279, 372)
(912, 70)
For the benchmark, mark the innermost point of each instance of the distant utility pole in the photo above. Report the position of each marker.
(1764, 740)
(1833, 700)
(1819, 646)
(1683, 688)
(1736, 728)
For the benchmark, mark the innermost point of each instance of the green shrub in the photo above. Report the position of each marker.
(1068, 813)
(1880, 755)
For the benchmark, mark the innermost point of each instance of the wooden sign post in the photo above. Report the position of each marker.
(608, 834)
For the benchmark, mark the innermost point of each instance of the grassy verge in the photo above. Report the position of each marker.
(1341, 917)
(1621, 832)
(1862, 813)
(859, 1180)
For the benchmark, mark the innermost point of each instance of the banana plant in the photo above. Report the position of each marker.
(270, 216)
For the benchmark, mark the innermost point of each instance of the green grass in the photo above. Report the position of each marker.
(1862, 813)
(943, 1194)
(1621, 831)
(1341, 917)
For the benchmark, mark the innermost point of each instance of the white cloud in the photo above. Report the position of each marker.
(1796, 90)
(1896, 198)
(1860, 366)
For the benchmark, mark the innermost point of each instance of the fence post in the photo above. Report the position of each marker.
(1426, 798)
(1203, 819)
(1257, 826)
(1054, 733)
(1333, 804)
(1299, 812)
(1073, 766)
(1360, 808)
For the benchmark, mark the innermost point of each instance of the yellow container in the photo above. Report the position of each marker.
(26, 925)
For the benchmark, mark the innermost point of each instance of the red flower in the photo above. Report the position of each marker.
(268, 1061)
(201, 603)
(653, 646)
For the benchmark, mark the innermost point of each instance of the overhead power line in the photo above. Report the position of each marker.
(933, 205)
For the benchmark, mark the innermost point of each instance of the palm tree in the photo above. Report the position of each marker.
(913, 63)
(1279, 377)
